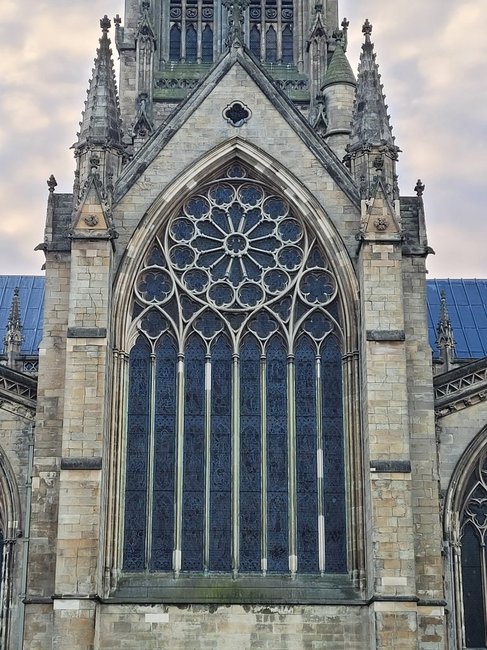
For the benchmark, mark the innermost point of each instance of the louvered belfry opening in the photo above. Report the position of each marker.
(235, 443)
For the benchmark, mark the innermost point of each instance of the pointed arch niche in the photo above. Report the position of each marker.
(466, 532)
(236, 462)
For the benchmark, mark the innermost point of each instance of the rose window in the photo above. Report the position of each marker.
(235, 363)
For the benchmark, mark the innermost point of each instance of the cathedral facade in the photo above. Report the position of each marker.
(238, 423)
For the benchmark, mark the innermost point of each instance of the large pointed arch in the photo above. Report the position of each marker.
(464, 528)
(280, 179)
(281, 182)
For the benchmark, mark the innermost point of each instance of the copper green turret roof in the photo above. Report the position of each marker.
(101, 122)
(370, 124)
(339, 70)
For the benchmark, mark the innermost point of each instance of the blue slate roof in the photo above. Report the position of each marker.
(31, 296)
(466, 301)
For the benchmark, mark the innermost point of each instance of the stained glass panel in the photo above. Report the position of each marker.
(194, 456)
(137, 450)
(473, 598)
(221, 456)
(250, 456)
(334, 467)
(306, 453)
(277, 461)
(164, 460)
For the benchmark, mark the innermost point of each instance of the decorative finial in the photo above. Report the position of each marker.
(105, 24)
(51, 183)
(117, 21)
(367, 30)
(345, 24)
(235, 10)
(419, 189)
(145, 5)
(318, 7)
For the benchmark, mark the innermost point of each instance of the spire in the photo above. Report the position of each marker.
(444, 334)
(371, 123)
(13, 337)
(101, 122)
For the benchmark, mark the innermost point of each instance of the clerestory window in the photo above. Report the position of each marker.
(235, 442)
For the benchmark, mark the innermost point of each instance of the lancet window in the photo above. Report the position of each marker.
(235, 431)
(197, 30)
(191, 30)
(271, 30)
(473, 539)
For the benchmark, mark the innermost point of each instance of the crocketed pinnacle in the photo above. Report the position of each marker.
(339, 70)
(370, 124)
(444, 331)
(13, 335)
(101, 122)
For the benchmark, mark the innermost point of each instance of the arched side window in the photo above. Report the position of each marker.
(235, 432)
(473, 557)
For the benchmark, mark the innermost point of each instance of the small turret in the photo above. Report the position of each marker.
(339, 93)
(100, 132)
(444, 336)
(372, 146)
(13, 337)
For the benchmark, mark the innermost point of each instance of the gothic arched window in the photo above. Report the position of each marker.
(235, 443)
(195, 29)
(473, 539)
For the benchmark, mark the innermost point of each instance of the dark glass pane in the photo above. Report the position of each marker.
(175, 43)
(164, 461)
(271, 45)
(137, 442)
(277, 460)
(255, 41)
(1, 554)
(333, 450)
(194, 455)
(207, 45)
(221, 457)
(287, 44)
(306, 454)
(191, 43)
(250, 456)
(473, 603)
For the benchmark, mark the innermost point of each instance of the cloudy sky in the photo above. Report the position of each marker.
(432, 57)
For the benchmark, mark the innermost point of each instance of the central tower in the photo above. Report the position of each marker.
(168, 46)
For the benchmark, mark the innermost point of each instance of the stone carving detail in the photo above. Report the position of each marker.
(91, 221)
(381, 224)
